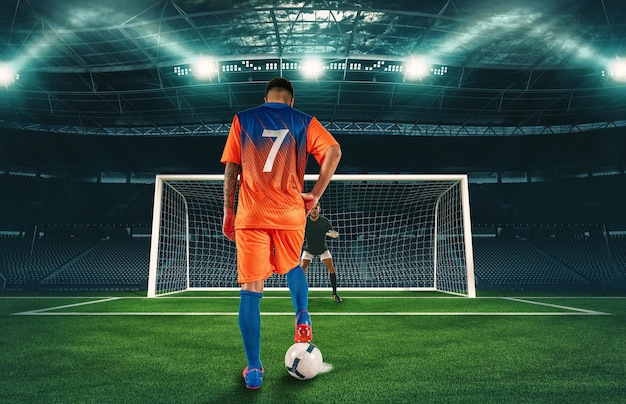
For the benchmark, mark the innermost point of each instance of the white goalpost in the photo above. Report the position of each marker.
(397, 232)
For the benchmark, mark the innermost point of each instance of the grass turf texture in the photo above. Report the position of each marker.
(187, 349)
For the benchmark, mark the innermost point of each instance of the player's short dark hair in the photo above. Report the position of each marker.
(280, 83)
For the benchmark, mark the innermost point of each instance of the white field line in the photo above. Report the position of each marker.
(47, 309)
(314, 297)
(556, 306)
(443, 313)
(572, 311)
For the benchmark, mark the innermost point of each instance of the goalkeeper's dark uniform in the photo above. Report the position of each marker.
(317, 228)
(315, 235)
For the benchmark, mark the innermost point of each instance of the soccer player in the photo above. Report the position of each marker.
(317, 228)
(267, 150)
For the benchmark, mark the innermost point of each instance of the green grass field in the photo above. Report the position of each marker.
(404, 347)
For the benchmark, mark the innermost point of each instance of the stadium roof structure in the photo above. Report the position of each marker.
(493, 66)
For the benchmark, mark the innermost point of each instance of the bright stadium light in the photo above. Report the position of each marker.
(205, 68)
(312, 68)
(7, 75)
(618, 70)
(416, 68)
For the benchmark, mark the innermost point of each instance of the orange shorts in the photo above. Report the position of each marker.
(260, 253)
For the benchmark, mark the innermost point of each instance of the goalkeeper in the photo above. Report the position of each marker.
(317, 228)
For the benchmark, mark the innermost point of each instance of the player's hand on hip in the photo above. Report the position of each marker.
(310, 201)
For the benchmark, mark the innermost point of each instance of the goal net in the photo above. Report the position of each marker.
(400, 232)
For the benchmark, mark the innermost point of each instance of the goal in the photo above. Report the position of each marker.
(397, 232)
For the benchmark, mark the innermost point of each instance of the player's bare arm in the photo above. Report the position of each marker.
(231, 172)
(327, 170)
(332, 233)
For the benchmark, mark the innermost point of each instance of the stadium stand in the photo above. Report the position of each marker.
(26, 260)
(511, 263)
(617, 246)
(115, 263)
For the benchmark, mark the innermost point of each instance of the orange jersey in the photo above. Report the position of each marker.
(272, 143)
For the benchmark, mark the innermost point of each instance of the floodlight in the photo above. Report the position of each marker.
(7, 75)
(312, 68)
(205, 68)
(182, 71)
(618, 70)
(416, 68)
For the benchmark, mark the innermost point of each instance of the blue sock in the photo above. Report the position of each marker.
(250, 326)
(299, 288)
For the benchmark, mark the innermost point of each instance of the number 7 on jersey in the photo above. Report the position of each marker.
(280, 135)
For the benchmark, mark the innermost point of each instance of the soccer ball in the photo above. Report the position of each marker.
(303, 360)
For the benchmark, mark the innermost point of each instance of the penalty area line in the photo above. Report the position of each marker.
(47, 312)
(557, 306)
(48, 309)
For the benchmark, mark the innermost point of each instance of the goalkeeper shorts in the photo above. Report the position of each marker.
(309, 257)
